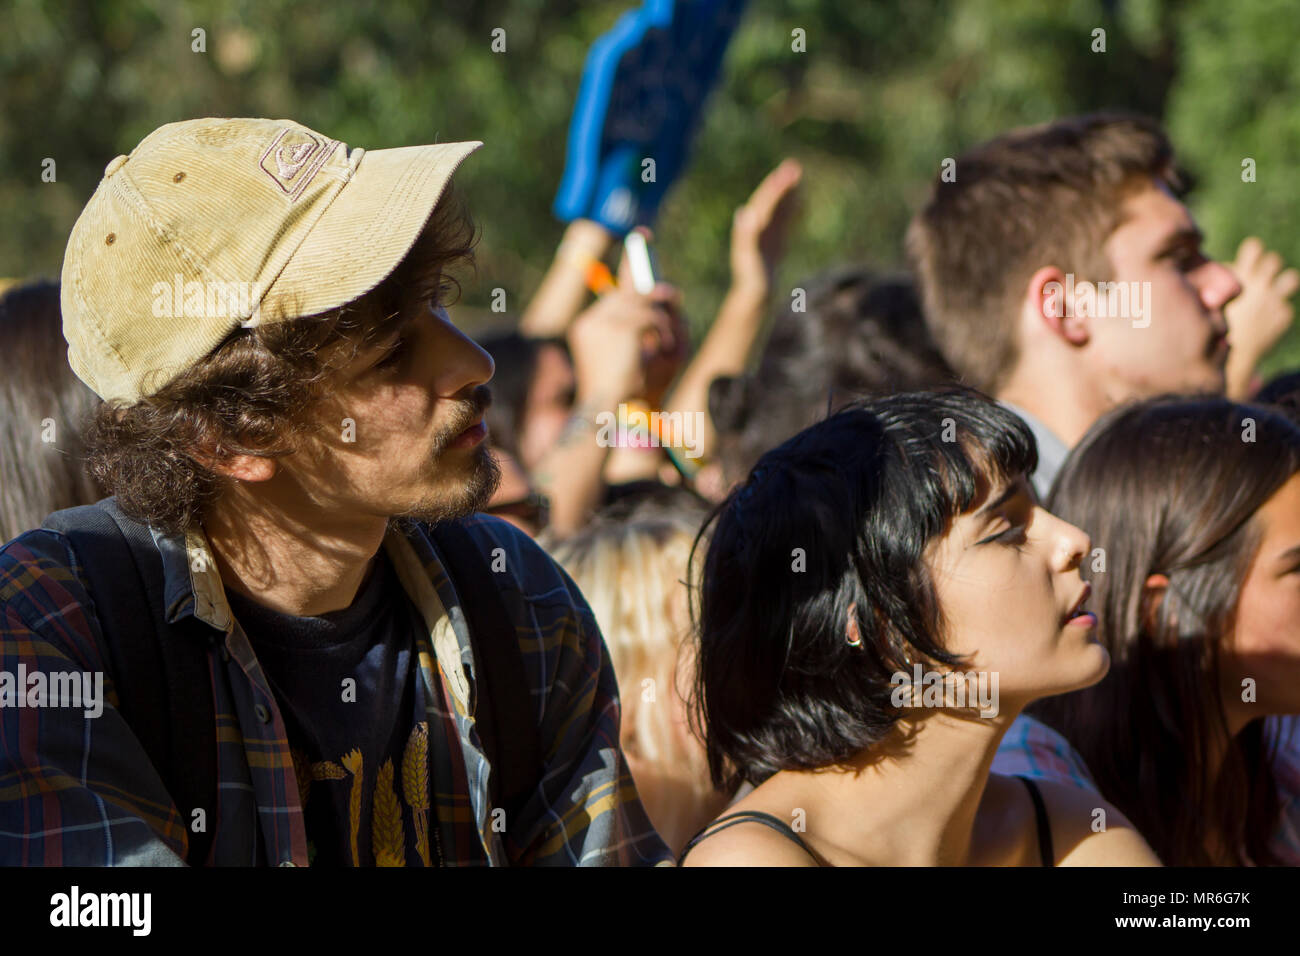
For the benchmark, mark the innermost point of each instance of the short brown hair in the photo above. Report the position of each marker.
(252, 393)
(1041, 195)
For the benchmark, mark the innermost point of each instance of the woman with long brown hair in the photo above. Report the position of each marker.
(43, 407)
(1195, 507)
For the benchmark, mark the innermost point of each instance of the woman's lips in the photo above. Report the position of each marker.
(1077, 615)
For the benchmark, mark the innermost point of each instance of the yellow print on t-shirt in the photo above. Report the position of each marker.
(387, 833)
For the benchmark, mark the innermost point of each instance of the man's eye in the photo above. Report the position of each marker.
(394, 354)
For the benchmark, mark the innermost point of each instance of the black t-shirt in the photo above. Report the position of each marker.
(347, 684)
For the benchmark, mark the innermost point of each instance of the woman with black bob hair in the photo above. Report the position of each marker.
(878, 601)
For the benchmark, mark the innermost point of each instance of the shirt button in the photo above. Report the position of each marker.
(263, 714)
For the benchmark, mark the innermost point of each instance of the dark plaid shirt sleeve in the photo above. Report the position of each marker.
(587, 811)
(76, 788)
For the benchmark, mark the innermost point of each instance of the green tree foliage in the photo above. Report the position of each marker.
(1237, 99)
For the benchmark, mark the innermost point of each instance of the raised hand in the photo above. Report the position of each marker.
(1261, 315)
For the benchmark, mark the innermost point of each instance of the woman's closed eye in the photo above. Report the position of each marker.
(1012, 535)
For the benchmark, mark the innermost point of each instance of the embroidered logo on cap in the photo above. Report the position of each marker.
(294, 158)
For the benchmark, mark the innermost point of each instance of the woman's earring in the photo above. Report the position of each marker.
(851, 633)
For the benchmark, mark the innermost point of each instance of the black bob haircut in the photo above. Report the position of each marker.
(842, 512)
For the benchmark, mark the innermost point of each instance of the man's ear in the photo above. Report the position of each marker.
(1050, 297)
(1153, 595)
(239, 467)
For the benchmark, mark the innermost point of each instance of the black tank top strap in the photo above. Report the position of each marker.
(780, 826)
(1045, 852)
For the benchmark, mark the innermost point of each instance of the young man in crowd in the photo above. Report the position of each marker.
(293, 428)
(1061, 274)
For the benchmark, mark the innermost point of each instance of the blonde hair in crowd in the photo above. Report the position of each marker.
(632, 573)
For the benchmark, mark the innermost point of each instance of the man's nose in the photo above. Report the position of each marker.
(1218, 286)
(464, 363)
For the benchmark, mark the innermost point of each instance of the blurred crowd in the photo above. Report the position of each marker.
(681, 483)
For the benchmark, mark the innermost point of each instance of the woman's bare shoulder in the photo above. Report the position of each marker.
(747, 843)
(1088, 830)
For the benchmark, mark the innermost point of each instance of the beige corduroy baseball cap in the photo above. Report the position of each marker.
(213, 224)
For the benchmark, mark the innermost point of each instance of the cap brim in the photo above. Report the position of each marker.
(367, 230)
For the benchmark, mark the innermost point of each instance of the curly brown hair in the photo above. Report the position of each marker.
(253, 393)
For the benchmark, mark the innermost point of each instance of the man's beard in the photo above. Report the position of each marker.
(460, 496)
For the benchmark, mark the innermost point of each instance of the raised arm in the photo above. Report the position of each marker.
(758, 236)
(613, 364)
(563, 291)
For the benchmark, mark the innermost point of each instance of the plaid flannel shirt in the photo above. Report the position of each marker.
(80, 790)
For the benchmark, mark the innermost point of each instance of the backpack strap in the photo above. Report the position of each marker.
(507, 724)
(160, 670)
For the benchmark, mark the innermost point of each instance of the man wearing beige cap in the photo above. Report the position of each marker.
(288, 638)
